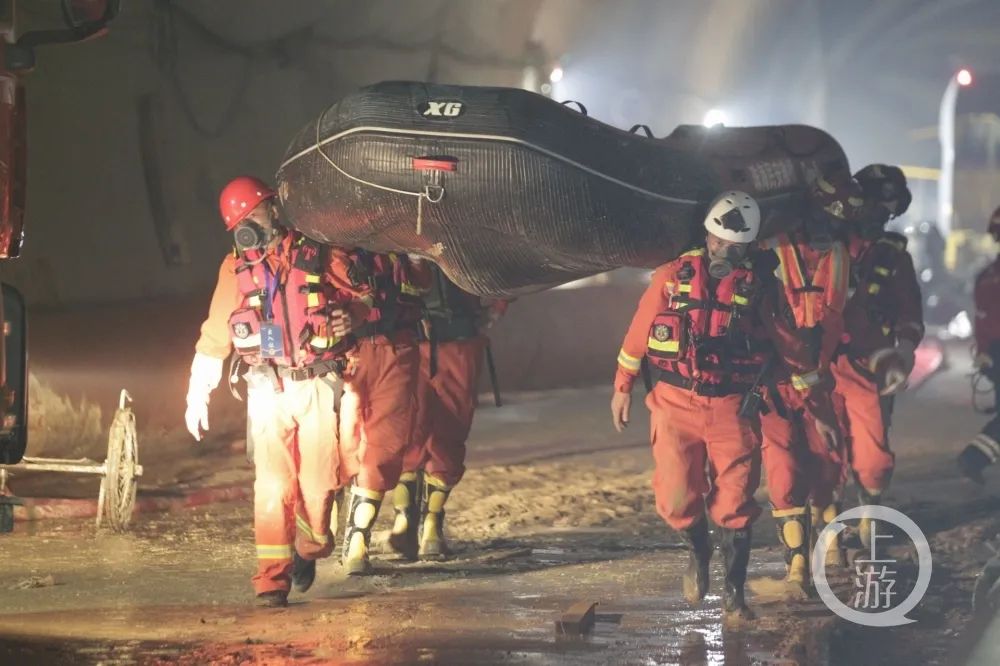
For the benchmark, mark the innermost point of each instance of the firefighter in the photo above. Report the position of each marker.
(378, 408)
(282, 301)
(984, 449)
(452, 349)
(883, 325)
(706, 325)
(800, 464)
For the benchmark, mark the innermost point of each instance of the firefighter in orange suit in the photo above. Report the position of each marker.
(378, 408)
(984, 449)
(284, 303)
(707, 325)
(814, 268)
(451, 357)
(883, 326)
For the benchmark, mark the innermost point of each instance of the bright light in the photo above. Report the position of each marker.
(964, 77)
(715, 117)
(555, 76)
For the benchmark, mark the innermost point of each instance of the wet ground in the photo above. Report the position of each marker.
(555, 509)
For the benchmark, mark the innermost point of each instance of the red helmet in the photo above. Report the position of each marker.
(241, 196)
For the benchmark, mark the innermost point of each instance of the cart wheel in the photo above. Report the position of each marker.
(118, 487)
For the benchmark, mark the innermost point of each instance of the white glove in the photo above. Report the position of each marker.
(206, 372)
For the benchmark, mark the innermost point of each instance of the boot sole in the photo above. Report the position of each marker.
(400, 545)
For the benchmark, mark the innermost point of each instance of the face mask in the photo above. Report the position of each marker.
(872, 222)
(251, 236)
(819, 233)
(719, 266)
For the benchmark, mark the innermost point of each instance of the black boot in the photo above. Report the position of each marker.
(699, 545)
(736, 555)
(303, 572)
(406, 501)
(972, 461)
(361, 515)
(273, 599)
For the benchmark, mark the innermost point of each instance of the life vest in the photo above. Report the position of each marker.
(284, 318)
(393, 299)
(698, 340)
(815, 283)
(452, 312)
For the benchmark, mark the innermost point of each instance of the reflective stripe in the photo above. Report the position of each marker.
(684, 288)
(367, 494)
(323, 343)
(254, 301)
(312, 300)
(784, 513)
(304, 527)
(312, 279)
(629, 362)
(805, 381)
(882, 270)
(874, 288)
(409, 289)
(740, 300)
(665, 346)
(987, 445)
(282, 552)
(253, 342)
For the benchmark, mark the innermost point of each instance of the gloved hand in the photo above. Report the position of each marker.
(827, 433)
(982, 361)
(206, 372)
(340, 322)
(895, 379)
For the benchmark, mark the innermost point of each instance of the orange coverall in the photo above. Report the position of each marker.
(294, 435)
(378, 407)
(797, 461)
(689, 430)
(886, 307)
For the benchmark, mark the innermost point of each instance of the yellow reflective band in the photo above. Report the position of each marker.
(784, 513)
(432, 480)
(694, 253)
(312, 279)
(684, 289)
(629, 362)
(409, 289)
(304, 527)
(254, 301)
(283, 552)
(740, 300)
(805, 382)
(874, 288)
(886, 330)
(367, 299)
(375, 495)
(665, 346)
(312, 300)
(322, 343)
(882, 270)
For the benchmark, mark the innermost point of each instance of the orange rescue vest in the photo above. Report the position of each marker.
(815, 283)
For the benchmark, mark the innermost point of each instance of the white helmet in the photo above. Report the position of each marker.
(734, 216)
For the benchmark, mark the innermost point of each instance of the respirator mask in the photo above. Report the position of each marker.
(250, 236)
(724, 262)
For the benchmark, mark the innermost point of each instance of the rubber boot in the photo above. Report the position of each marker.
(406, 502)
(432, 542)
(836, 555)
(303, 573)
(972, 461)
(361, 515)
(866, 497)
(735, 556)
(273, 599)
(793, 533)
(699, 545)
